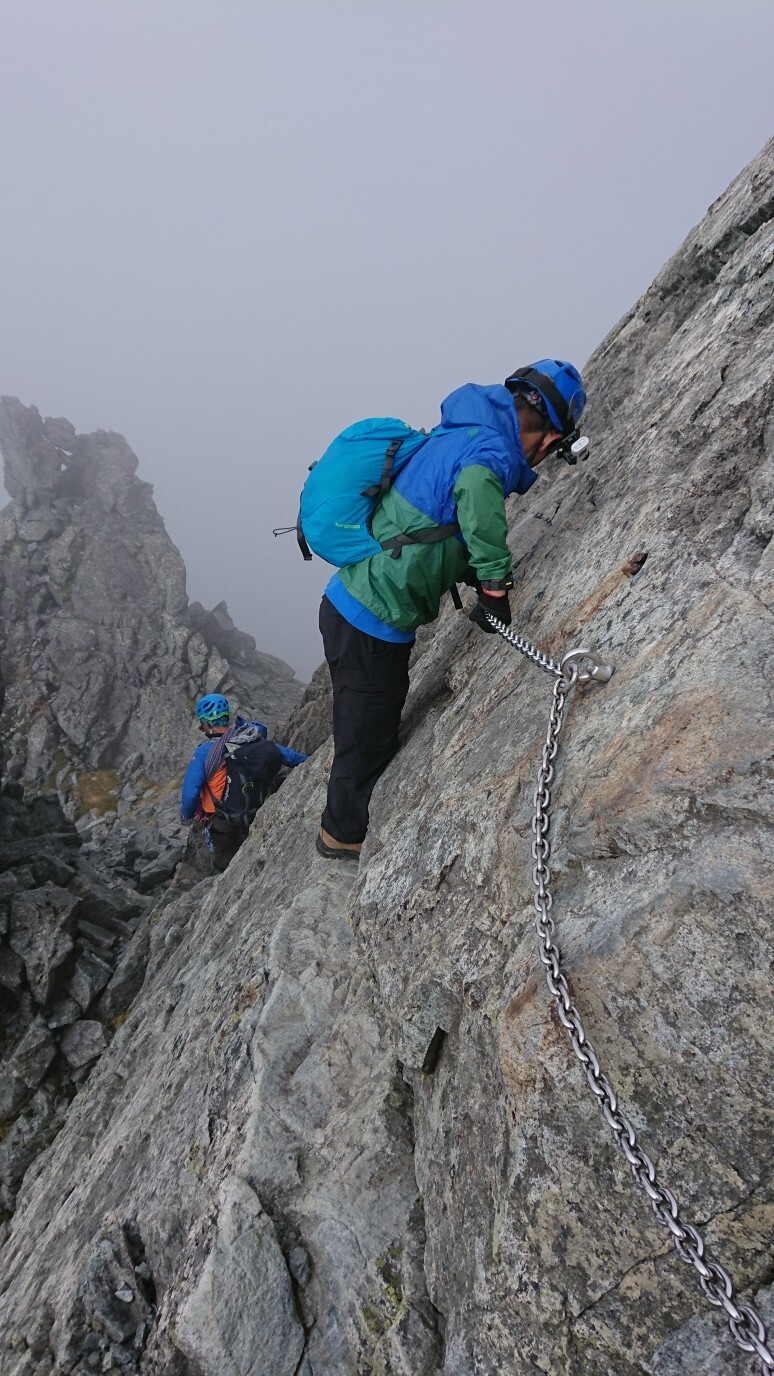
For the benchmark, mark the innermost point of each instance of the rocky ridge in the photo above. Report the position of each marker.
(102, 656)
(341, 1128)
(102, 653)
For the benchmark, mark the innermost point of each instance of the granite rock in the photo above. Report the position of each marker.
(57, 939)
(243, 1298)
(42, 929)
(88, 979)
(33, 1055)
(82, 1042)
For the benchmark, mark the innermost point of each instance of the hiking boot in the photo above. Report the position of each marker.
(332, 849)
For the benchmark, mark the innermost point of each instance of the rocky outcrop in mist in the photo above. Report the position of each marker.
(341, 1128)
(102, 654)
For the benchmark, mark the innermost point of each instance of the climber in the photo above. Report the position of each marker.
(489, 442)
(229, 776)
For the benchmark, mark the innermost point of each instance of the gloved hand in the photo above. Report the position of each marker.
(489, 601)
(498, 606)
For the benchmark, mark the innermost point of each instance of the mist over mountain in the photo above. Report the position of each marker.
(103, 655)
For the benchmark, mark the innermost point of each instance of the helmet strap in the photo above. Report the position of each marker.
(544, 384)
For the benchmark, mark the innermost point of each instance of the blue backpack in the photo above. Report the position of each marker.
(345, 486)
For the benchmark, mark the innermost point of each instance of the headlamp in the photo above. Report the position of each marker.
(572, 447)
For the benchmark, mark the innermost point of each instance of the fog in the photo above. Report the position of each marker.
(231, 228)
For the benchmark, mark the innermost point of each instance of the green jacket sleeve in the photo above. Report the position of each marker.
(481, 513)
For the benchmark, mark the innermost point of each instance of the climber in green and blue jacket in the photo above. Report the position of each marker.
(488, 445)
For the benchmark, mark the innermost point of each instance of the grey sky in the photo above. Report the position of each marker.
(228, 229)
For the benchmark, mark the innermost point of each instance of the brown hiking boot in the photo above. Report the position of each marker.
(332, 849)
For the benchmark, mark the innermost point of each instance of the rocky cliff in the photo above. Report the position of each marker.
(341, 1129)
(65, 980)
(102, 654)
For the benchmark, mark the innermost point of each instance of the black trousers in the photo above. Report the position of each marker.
(226, 841)
(370, 681)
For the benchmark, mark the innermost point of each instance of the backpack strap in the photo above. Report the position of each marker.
(420, 537)
(455, 597)
(379, 489)
(213, 799)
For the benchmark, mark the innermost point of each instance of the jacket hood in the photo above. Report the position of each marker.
(493, 408)
(475, 405)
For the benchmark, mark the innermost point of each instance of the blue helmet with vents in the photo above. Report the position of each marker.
(213, 708)
(559, 386)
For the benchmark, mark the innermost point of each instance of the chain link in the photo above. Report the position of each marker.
(526, 647)
(746, 1325)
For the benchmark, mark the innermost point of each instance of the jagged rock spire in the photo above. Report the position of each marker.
(102, 654)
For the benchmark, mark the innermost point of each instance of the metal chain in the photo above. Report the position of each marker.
(526, 647)
(601, 672)
(746, 1325)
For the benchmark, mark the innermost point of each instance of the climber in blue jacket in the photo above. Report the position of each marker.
(229, 776)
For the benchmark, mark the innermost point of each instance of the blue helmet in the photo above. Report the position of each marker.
(560, 386)
(213, 708)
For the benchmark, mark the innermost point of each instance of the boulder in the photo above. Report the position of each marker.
(88, 979)
(50, 869)
(41, 932)
(33, 1055)
(31, 1132)
(62, 1013)
(127, 979)
(12, 971)
(13, 1094)
(161, 869)
(82, 1042)
(247, 1266)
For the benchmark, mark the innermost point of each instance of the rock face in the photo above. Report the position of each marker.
(341, 1129)
(311, 722)
(102, 654)
(72, 957)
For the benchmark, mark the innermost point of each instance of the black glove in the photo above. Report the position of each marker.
(498, 606)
